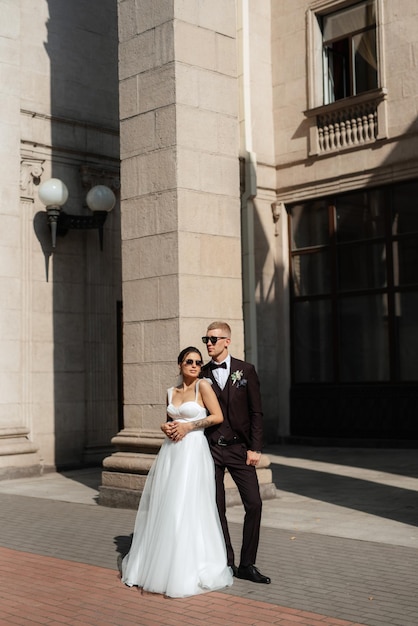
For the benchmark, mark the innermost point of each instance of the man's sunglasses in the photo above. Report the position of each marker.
(190, 362)
(213, 340)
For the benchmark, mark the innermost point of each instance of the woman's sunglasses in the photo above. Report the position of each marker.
(190, 362)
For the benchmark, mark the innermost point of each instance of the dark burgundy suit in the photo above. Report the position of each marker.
(243, 419)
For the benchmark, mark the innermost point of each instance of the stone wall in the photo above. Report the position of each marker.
(58, 371)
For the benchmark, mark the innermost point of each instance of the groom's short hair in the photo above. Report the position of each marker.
(223, 326)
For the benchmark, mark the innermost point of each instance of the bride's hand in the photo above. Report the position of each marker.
(166, 428)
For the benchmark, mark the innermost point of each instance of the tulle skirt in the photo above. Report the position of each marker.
(178, 547)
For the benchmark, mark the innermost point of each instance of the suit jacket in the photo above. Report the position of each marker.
(241, 405)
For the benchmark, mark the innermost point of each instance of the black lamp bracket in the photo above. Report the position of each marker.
(61, 222)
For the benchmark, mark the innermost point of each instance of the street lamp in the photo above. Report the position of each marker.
(53, 194)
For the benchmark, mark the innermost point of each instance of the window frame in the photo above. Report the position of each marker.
(316, 67)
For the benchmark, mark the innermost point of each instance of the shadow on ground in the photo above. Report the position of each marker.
(392, 502)
(402, 462)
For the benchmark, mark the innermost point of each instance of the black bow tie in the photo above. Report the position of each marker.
(214, 365)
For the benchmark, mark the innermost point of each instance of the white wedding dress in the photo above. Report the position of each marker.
(178, 547)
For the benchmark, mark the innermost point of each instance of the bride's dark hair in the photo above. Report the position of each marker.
(187, 351)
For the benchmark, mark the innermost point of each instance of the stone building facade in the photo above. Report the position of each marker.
(264, 159)
(344, 101)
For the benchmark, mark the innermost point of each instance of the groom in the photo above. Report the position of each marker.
(236, 443)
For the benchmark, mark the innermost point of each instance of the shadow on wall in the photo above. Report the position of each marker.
(272, 357)
(82, 45)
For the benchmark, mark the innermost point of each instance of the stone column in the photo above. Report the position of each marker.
(180, 208)
(18, 454)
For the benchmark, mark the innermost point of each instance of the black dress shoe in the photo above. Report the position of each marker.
(234, 570)
(250, 572)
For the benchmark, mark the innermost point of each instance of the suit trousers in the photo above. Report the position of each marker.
(245, 477)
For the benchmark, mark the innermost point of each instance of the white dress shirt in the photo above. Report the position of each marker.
(221, 374)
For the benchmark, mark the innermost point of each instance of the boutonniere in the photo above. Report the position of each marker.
(237, 378)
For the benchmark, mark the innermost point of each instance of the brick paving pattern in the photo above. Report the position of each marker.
(45, 590)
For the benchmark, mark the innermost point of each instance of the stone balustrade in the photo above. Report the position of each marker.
(348, 123)
(349, 127)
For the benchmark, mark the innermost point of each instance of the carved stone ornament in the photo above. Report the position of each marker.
(276, 209)
(30, 176)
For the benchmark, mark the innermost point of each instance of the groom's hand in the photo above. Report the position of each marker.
(176, 431)
(253, 457)
(179, 430)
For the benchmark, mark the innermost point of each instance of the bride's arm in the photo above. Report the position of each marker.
(167, 427)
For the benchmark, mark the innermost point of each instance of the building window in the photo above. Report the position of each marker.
(346, 92)
(354, 277)
(349, 51)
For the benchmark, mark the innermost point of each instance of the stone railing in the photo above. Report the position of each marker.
(353, 126)
(349, 123)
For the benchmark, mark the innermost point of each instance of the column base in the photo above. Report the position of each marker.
(265, 481)
(19, 457)
(125, 473)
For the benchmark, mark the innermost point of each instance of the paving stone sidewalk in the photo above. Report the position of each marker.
(318, 577)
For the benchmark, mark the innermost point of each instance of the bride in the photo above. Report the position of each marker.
(178, 547)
